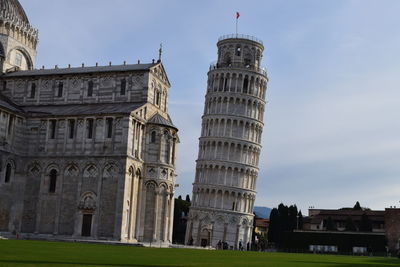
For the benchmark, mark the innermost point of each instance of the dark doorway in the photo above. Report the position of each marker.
(87, 224)
(204, 242)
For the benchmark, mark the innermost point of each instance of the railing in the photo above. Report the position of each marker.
(261, 70)
(240, 36)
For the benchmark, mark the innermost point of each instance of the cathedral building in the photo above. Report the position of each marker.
(85, 152)
(224, 189)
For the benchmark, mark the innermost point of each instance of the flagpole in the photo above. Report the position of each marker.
(237, 19)
(237, 27)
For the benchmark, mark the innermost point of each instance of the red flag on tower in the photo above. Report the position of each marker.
(237, 15)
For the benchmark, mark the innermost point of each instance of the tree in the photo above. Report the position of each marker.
(330, 224)
(350, 226)
(187, 198)
(300, 220)
(357, 206)
(365, 223)
(181, 212)
(283, 217)
(281, 220)
(273, 231)
(292, 216)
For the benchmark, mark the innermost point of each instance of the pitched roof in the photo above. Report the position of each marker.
(81, 109)
(80, 70)
(160, 120)
(8, 104)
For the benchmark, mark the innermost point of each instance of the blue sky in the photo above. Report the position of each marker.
(332, 128)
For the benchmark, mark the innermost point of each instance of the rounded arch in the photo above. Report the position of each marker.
(25, 53)
(88, 201)
(139, 173)
(52, 166)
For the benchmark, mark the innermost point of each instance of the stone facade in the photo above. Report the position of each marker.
(230, 145)
(85, 152)
(392, 229)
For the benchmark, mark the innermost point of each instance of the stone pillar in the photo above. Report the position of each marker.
(141, 212)
(237, 236)
(165, 225)
(212, 234)
(198, 234)
(156, 214)
(225, 232)
(60, 183)
(171, 217)
(136, 208)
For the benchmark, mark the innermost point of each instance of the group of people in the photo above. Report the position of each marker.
(224, 245)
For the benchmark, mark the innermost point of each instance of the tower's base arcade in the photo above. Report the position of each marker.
(216, 228)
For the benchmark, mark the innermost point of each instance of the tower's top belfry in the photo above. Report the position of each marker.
(18, 39)
(240, 51)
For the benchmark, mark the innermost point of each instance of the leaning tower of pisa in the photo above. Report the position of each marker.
(224, 189)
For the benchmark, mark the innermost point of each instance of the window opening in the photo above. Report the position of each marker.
(53, 181)
(53, 124)
(60, 89)
(90, 88)
(33, 90)
(109, 127)
(90, 128)
(18, 59)
(71, 128)
(123, 87)
(153, 137)
(8, 173)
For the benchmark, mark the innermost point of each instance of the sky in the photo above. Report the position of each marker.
(332, 127)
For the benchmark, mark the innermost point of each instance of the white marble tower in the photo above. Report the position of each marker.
(224, 190)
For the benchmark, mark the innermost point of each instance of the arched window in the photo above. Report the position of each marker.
(53, 181)
(90, 88)
(165, 103)
(158, 98)
(238, 50)
(153, 137)
(245, 85)
(247, 60)
(228, 59)
(33, 90)
(123, 87)
(167, 152)
(8, 173)
(18, 59)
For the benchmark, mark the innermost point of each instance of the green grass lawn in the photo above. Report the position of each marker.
(41, 253)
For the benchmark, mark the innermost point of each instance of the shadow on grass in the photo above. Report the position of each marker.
(21, 262)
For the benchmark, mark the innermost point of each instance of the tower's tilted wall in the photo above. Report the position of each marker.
(224, 189)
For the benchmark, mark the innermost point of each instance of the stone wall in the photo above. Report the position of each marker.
(392, 228)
